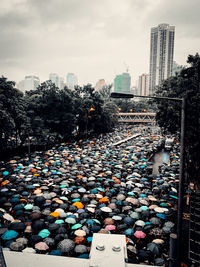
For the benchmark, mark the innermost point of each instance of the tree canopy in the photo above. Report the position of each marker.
(48, 114)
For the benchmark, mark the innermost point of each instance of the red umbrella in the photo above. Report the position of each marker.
(139, 234)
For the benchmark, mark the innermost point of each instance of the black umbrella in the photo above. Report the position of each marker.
(60, 237)
(38, 225)
(17, 226)
(154, 248)
(34, 239)
(143, 255)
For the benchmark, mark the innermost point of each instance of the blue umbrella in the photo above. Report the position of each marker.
(129, 231)
(10, 234)
(5, 173)
(161, 215)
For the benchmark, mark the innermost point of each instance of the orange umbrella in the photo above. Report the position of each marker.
(104, 199)
(4, 182)
(55, 214)
(33, 170)
(36, 174)
(117, 181)
(78, 204)
(79, 176)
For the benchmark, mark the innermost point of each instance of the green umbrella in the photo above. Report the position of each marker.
(76, 226)
(28, 207)
(44, 233)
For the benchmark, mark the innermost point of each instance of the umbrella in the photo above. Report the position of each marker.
(129, 231)
(76, 226)
(70, 220)
(110, 227)
(80, 233)
(158, 241)
(139, 234)
(41, 246)
(10, 234)
(140, 223)
(44, 233)
(79, 249)
(159, 261)
(154, 248)
(22, 240)
(49, 241)
(56, 252)
(108, 221)
(79, 240)
(28, 250)
(156, 231)
(143, 255)
(106, 209)
(17, 246)
(66, 245)
(155, 221)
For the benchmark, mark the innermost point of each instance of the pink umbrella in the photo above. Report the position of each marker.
(110, 227)
(139, 234)
(41, 246)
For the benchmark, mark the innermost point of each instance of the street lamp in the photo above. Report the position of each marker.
(182, 154)
(87, 115)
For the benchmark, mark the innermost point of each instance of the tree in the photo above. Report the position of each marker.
(13, 119)
(186, 84)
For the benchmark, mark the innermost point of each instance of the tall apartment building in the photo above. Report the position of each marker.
(122, 83)
(143, 84)
(71, 81)
(31, 83)
(161, 54)
(54, 78)
(100, 84)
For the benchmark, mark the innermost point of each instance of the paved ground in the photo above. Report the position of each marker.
(158, 159)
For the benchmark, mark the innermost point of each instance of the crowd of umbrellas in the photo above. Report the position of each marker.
(52, 202)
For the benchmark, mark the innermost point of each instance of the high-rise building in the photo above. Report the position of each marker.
(122, 83)
(54, 78)
(61, 83)
(31, 83)
(20, 85)
(100, 84)
(71, 80)
(143, 84)
(161, 54)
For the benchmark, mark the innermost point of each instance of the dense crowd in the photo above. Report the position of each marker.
(52, 202)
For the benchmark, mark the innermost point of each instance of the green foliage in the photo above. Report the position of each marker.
(186, 84)
(47, 114)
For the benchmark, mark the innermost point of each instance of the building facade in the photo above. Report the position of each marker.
(54, 78)
(71, 80)
(143, 84)
(100, 84)
(122, 83)
(31, 83)
(161, 54)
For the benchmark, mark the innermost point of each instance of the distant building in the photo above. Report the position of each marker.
(61, 83)
(71, 81)
(54, 78)
(143, 85)
(176, 68)
(20, 86)
(122, 83)
(134, 90)
(31, 83)
(100, 84)
(161, 54)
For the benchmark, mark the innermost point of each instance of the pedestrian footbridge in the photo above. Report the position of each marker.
(137, 117)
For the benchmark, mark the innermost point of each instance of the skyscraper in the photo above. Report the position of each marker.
(161, 54)
(71, 81)
(122, 83)
(54, 78)
(100, 84)
(143, 84)
(31, 83)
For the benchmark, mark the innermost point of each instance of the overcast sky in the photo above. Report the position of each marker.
(93, 38)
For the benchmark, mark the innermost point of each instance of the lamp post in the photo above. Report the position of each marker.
(181, 169)
(87, 115)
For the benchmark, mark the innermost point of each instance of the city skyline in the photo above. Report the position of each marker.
(90, 39)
